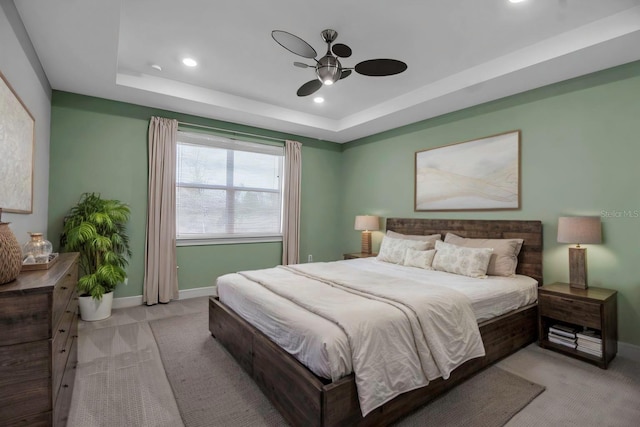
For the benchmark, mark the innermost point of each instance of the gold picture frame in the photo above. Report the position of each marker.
(481, 174)
(17, 151)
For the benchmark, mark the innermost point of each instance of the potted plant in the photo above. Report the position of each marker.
(95, 228)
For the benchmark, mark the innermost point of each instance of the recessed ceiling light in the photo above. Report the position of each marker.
(516, 1)
(189, 62)
(318, 100)
(156, 67)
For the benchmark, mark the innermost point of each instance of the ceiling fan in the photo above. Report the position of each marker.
(328, 69)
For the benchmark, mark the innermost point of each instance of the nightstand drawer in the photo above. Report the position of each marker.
(570, 310)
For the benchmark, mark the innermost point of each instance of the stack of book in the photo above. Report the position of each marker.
(589, 341)
(563, 335)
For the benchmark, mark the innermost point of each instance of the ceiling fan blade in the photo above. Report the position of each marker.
(302, 65)
(345, 74)
(341, 50)
(294, 44)
(380, 67)
(309, 87)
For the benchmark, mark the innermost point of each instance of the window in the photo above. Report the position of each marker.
(227, 190)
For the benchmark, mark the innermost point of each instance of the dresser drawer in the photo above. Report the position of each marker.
(62, 293)
(61, 348)
(25, 398)
(42, 419)
(24, 318)
(570, 310)
(24, 362)
(63, 401)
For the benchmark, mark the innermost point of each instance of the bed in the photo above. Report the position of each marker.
(305, 398)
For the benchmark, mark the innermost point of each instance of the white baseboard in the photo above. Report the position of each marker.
(183, 294)
(124, 302)
(628, 351)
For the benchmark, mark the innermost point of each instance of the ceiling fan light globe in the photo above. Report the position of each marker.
(328, 69)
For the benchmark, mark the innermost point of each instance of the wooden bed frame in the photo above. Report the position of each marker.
(305, 399)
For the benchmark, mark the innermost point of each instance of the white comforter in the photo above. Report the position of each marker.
(401, 333)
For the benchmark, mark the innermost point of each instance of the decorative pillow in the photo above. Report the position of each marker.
(422, 259)
(431, 238)
(505, 252)
(472, 262)
(392, 250)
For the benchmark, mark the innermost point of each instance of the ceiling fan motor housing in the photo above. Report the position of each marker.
(328, 69)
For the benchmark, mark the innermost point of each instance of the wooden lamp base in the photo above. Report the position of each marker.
(578, 268)
(366, 242)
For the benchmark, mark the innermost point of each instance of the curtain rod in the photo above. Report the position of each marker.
(232, 131)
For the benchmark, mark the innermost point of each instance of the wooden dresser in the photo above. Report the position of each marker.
(38, 345)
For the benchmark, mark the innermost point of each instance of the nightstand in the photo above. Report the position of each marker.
(359, 255)
(577, 309)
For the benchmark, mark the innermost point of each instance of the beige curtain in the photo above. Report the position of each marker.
(291, 194)
(160, 272)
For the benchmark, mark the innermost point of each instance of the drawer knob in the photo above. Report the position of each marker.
(63, 351)
(62, 331)
(63, 287)
(65, 385)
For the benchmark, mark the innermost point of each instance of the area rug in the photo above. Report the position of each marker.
(212, 390)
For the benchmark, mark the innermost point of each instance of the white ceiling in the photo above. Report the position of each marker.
(459, 52)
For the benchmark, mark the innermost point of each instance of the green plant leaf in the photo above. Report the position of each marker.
(96, 228)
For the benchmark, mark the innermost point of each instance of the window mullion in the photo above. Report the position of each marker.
(230, 194)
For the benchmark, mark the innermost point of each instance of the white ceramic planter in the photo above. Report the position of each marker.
(92, 309)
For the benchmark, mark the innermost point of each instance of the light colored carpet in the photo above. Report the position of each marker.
(212, 390)
(118, 379)
(121, 382)
(578, 394)
(490, 398)
(210, 387)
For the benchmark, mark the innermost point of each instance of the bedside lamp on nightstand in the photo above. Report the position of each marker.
(367, 223)
(579, 230)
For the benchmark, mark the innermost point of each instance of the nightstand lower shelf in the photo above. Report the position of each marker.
(571, 352)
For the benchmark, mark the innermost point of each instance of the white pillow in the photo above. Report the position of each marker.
(431, 238)
(393, 250)
(505, 252)
(472, 262)
(422, 259)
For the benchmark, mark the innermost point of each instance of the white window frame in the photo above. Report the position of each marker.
(201, 139)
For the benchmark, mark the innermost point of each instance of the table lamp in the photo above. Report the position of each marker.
(367, 223)
(579, 230)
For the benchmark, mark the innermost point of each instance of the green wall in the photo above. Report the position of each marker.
(101, 146)
(579, 153)
(580, 150)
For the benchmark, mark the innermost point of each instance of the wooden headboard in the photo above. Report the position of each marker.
(530, 258)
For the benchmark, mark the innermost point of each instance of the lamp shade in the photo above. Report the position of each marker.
(367, 222)
(579, 229)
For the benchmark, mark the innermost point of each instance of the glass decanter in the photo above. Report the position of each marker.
(37, 250)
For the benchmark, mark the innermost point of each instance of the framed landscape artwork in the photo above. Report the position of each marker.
(17, 136)
(483, 174)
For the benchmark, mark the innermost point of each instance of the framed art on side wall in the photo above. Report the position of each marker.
(17, 137)
(482, 174)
